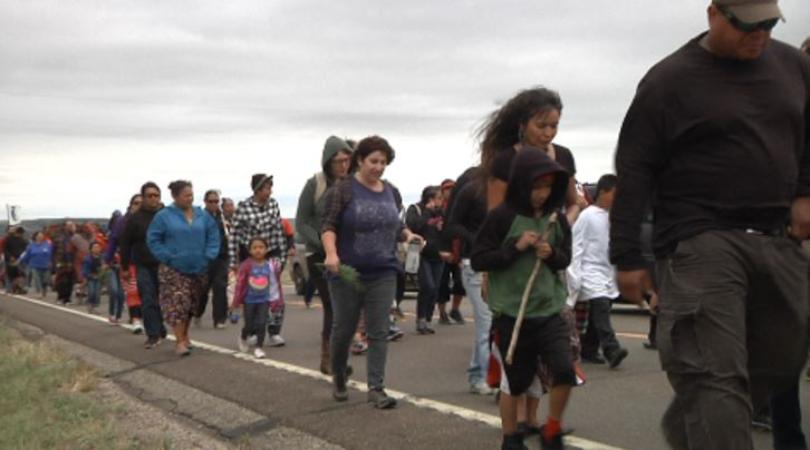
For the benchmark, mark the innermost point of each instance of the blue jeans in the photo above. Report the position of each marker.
(116, 292)
(479, 362)
(41, 278)
(93, 292)
(430, 274)
(147, 280)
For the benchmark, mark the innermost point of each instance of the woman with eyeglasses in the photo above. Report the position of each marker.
(185, 240)
(335, 160)
(218, 271)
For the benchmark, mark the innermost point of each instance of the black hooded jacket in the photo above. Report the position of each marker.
(489, 251)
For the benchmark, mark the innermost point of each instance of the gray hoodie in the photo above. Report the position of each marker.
(311, 204)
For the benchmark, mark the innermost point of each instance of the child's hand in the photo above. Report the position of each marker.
(544, 250)
(527, 239)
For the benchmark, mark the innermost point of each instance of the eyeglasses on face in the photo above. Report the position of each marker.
(153, 195)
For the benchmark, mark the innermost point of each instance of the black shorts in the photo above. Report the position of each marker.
(545, 337)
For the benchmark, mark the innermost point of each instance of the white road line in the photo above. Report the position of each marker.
(444, 408)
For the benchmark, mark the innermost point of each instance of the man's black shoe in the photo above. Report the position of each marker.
(617, 357)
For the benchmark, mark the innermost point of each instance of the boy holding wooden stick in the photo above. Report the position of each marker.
(523, 244)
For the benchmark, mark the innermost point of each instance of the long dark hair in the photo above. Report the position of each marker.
(502, 128)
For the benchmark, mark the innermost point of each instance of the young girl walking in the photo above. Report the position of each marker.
(258, 288)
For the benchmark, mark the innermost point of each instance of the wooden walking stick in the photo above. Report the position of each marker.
(526, 292)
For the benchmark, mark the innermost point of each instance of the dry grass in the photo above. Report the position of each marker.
(46, 401)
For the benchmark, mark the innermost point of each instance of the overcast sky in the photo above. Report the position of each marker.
(97, 97)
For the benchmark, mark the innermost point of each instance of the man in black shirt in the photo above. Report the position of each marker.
(134, 250)
(719, 133)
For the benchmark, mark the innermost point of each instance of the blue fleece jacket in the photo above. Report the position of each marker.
(183, 246)
(38, 256)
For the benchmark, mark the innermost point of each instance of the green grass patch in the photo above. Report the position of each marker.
(44, 401)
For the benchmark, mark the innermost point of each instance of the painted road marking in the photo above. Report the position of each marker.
(441, 407)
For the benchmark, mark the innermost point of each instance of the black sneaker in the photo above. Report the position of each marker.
(151, 342)
(617, 357)
(650, 345)
(593, 359)
(395, 334)
(381, 400)
(513, 442)
(555, 443)
(456, 316)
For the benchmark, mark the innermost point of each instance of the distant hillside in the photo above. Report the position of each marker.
(37, 224)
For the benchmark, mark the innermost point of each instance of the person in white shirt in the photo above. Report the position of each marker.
(592, 278)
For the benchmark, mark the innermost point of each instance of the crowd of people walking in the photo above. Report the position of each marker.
(539, 258)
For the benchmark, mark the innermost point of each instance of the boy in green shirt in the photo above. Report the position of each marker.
(507, 246)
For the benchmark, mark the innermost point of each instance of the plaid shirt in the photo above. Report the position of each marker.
(252, 219)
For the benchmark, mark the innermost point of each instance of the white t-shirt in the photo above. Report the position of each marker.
(591, 275)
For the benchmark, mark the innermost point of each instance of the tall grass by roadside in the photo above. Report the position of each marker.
(44, 401)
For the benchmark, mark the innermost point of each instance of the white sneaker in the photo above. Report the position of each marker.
(275, 341)
(137, 327)
(242, 344)
(251, 340)
(481, 388)
(258, 353)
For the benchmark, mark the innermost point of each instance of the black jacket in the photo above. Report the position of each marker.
(490, 252)
(133, 240)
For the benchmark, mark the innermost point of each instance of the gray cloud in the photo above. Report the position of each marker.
(147, 71)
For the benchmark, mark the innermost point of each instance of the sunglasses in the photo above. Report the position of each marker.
(748, 27)
(152, 195)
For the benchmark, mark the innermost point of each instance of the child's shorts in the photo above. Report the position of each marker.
(545, 337)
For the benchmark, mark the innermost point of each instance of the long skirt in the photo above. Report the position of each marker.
(178, 294)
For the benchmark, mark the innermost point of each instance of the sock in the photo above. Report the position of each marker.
(553, 428)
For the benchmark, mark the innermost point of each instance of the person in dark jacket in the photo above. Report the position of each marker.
(718, 138)
(113, 258)
(468, 210)
(426, 219)
(14, 247)
(514, 238)
(135, 250)
(335, 161)
(217, 282)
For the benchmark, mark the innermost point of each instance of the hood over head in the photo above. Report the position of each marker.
(529, 164)
(331, 147)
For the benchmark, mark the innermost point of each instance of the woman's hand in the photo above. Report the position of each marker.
(410, 236)
(332, 263)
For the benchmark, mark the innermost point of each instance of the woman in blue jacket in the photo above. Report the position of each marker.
(37, 258)
(185, 239)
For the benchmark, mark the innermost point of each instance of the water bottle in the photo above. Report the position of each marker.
(412, 256)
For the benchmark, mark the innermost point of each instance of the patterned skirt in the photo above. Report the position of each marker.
(178, 294)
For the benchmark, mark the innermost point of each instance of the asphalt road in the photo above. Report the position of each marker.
(619, 408)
